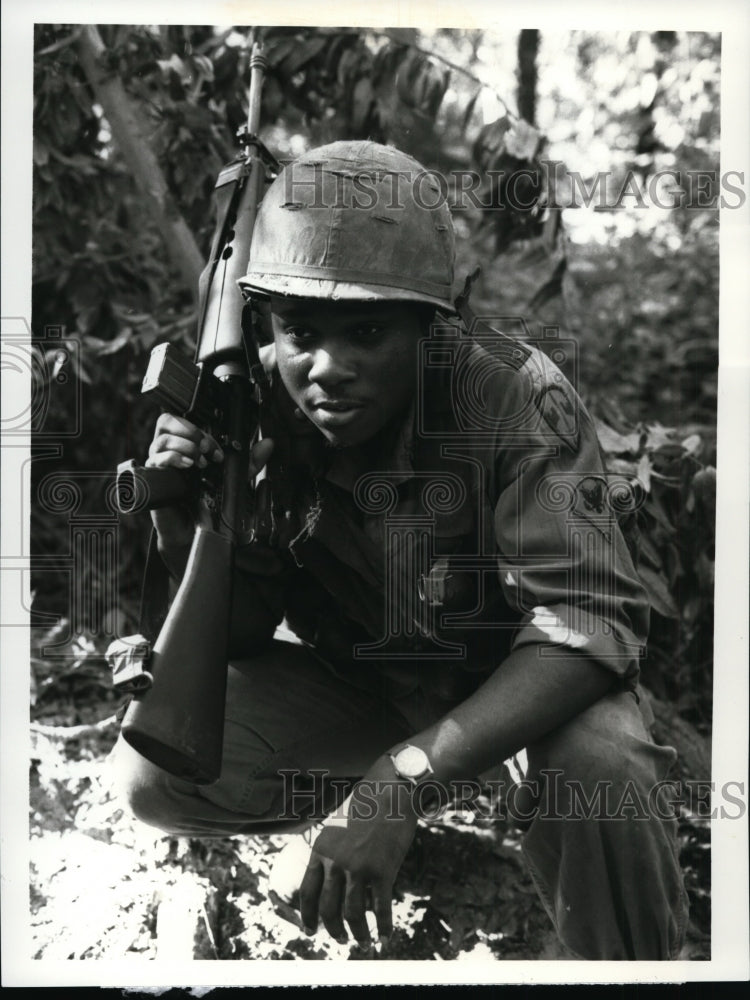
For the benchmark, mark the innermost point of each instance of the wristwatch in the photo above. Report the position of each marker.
(411, 763)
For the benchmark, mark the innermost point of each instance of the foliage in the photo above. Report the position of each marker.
(638, 291)
(673, 536)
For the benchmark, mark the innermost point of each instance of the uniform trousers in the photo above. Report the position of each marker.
(600, 840)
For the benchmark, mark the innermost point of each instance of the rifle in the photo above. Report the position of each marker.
(176, 716)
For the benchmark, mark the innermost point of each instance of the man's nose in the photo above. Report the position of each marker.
(331, 366)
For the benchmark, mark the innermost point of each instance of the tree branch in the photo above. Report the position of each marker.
(451, 65)
(128, 129)
(57, 46)
(73, 732)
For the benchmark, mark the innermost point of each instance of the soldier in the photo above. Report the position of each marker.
(448, 563)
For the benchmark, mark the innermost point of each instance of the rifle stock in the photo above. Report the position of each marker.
(177, 721)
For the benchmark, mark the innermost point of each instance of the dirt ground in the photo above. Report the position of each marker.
(106, 887)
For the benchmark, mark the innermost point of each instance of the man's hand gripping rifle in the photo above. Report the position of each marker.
(176, 718)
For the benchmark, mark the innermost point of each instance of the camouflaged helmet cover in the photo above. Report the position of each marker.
(354, 221)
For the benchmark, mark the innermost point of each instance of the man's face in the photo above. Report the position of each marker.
(350, 367)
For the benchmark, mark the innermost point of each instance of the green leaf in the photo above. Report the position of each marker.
(551, 288)
(691, 609)
(622, 467)
(277, 49)
(704, 486)
(654, 507)
(658, 436)
(174, 65)
(301, 54)
(705, 571)
(403, 36)
(466, 118)
(658, 592)
(614, 443)
(490, 143)
(693, 444)
(649, 552)
(407, 78)
(348, 68)
(438, 79)
(204, 66)
(117, 344)
(41, 152)
(644, 472)
(522, 140)
(362, 99)
(385, 64)
(77, 365)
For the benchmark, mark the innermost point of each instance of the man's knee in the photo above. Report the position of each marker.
(608, 742)
(146, 790)
(603, 764)
(229, 807)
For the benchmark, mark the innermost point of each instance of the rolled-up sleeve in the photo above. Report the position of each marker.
(562, 559)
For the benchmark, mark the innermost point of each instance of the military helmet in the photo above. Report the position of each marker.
(354, 221)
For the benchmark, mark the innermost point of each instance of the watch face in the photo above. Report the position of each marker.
(411, 762)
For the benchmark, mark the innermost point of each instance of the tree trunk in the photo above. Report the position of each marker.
(129, 132)
(528, 47)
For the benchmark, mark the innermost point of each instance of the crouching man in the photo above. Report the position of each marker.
(450, 565)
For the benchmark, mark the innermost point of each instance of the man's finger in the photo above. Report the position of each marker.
(169, 423)
(381, 905)
(164, 444)
(169, 459)
(331, 902)
(309, 893)
(205, 443)
(355, 910)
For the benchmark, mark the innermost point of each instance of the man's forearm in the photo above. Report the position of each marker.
(527, 697)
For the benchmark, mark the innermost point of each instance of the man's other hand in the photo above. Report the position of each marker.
(356, 857)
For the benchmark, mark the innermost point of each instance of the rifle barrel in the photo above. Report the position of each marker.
(258, 66)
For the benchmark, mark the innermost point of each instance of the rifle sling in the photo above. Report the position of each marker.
(154, 592)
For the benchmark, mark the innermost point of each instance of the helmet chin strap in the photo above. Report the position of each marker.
(461, 304)
(473, 325)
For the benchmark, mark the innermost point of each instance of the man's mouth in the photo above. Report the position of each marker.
(338, 405)
(330, 414)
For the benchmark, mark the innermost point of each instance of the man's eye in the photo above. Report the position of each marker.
(299, 334)
(367, 330)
